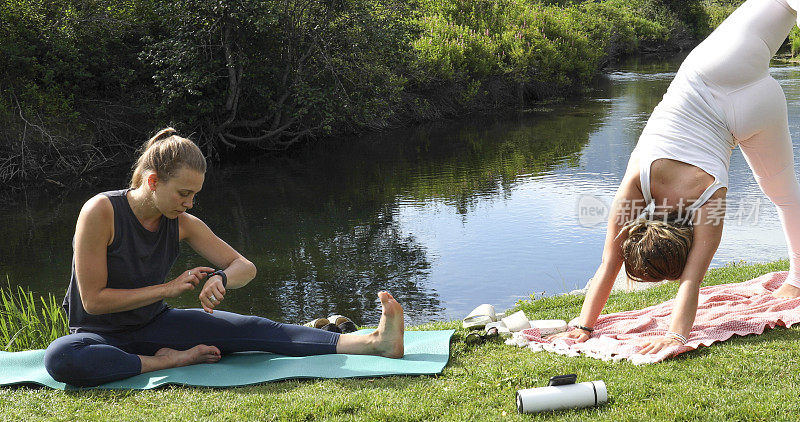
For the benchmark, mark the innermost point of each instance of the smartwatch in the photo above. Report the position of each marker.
(221, 274)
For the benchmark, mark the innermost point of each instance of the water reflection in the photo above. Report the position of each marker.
(316, 253)
(325, 227)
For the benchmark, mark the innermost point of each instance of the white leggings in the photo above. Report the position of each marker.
(767, 147)
(734, 61)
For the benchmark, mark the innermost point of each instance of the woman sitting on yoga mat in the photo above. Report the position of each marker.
(125, 243)
(677, 176)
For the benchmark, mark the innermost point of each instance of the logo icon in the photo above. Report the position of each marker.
(591, 211)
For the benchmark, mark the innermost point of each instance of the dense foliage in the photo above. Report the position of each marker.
(71, 85)
(82, 82)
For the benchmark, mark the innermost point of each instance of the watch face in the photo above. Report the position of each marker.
(222, 275)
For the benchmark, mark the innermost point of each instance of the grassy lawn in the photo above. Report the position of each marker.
(746, 378)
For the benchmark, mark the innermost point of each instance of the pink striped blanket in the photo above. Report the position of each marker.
(723, 311)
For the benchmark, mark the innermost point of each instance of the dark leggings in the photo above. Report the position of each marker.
(89, 359)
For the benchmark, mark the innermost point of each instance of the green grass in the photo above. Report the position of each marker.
(745, 378)
(27, 324)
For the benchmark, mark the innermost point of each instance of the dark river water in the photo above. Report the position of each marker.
(445, 216)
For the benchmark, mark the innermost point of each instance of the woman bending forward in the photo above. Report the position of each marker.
(677, 176)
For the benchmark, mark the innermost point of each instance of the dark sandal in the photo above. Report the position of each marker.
(344, 323)
(478, 338)
(348, 327)
(332, 328)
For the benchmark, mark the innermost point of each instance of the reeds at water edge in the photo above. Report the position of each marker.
(26, 323)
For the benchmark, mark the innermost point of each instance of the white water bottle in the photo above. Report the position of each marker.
(557, 397)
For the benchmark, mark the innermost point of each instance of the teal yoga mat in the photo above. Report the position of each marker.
(426, 353)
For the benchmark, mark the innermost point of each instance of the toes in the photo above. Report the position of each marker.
(208, 349)
(387, 298)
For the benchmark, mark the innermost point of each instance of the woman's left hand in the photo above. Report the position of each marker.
(655, 346)
(212, 294)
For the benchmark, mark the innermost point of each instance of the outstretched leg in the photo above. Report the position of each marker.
(183, 329)
(386, 341)
(763, 123)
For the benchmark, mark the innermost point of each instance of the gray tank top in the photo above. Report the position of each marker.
(136, 258)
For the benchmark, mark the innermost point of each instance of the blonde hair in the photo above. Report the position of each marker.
(166, 153)
(655, 250)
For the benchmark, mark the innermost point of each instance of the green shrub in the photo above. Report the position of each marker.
(470, 45)
(794, 41)
(72, 88)
(718, 10)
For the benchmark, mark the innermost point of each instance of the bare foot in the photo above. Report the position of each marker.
(197, 354)
(787, 291)
(389, 335)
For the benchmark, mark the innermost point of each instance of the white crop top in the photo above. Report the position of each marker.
(687, 126)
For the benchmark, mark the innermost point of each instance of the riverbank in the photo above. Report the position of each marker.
(254, 77)
(745, 378)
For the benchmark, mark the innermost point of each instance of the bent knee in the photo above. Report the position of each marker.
(59, 360)
(63, 361)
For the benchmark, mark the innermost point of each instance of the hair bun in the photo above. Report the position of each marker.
(163, 134)
(632, 228)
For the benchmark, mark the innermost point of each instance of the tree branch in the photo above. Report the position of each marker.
(225, 141)
(265, 136)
